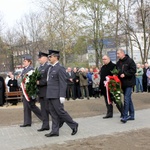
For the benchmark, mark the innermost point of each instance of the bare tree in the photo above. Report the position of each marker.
(143, 22)
(60, 25)
(99, 21)
(30, 33)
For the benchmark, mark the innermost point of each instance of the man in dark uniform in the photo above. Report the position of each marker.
(29, 106)
(42, 85)
(56, 93)
(106, 69)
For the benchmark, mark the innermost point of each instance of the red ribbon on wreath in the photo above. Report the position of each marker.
(107, 82)
(24, 90)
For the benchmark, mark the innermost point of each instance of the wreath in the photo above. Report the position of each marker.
(113, 86)
(29, 85)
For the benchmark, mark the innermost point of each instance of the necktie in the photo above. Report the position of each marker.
(49, 72)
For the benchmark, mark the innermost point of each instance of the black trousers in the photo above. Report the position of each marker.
(70, 91)
(77, 92)
(110, 106)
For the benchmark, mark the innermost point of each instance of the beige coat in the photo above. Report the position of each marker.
(83, 79)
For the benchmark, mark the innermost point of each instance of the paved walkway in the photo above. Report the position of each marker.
(16, 138)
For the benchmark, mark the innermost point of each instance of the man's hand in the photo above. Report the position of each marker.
(62, 100)
(122, 75)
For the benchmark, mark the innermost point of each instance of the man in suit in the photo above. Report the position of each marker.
(77, 92)
(42, 85)
(56, 93)
(106, 69)
(29, 106)
(70, 84)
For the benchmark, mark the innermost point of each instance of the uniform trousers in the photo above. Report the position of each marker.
(44, 112)
(29, 106)
(58, 114)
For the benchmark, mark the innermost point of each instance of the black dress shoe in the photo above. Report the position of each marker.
(75, 130)
(42, 129)
(107, 116)
(25, 125)
(51, 134)
(123, 120)
(61, 124)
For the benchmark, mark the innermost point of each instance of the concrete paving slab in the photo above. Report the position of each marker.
(16, 138)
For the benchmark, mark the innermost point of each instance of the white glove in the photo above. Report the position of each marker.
(62, 100)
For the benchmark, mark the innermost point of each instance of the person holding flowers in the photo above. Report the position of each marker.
(106, 72)
(127, 69)
(28, 100)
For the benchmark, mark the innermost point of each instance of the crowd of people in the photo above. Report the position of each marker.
(58, 84)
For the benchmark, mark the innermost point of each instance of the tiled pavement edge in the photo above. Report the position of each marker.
(16, 138)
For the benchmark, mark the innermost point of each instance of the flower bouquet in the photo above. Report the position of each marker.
(113, 86)
(28, 84)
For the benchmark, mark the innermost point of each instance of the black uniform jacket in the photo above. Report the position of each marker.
(43, 69)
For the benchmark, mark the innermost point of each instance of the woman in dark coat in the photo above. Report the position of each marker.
(13, 86)
(2, 91)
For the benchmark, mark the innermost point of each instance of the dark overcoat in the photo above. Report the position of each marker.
(105, 71)
(2, 91)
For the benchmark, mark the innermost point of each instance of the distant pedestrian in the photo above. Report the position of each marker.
(2, 91)
(146, 67)
(13, 86)
(77, 91)
(83, 83)
(139, 78)
(148, 79)
(70, 84)
(90, 82)
(96, 83)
